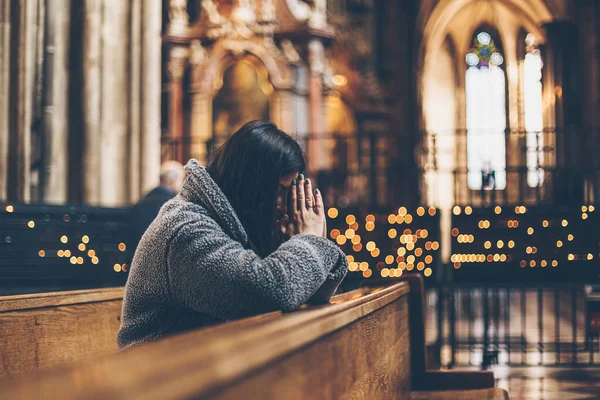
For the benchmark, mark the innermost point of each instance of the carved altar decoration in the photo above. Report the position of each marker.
(243, 63)
(244, 96)
(178, 16)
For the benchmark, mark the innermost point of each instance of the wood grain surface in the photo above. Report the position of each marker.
(477, 394)
(366, 344)
(44, 330)
(288, 349)
(53, 299)
(369, 359)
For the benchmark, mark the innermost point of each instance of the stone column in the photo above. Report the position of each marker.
(588, 21)
(176, 68)
(22, 72)
(114, 104)
(178, 25)
(515, 142)
(561, 65)
(317, 151)
(150, 92)
(56, 110)
(5, 53)
(562, 77)
(135, 100)
(178, 17)
(282, 110)
(201, 126)
(92, 78)
(300, 110)
(398, 59)
(201, 98)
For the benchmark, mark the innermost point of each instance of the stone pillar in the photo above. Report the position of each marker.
(176, 68)
(282, 111)
(588, 22)
(178, 25)
(92, 78)
(561, 63)
(23, 32)
(317, 152)
(56, 109)
(201, 126)
(114, 104)
(5, 53)
(399, 58)
(201, 108)
(150, 93)
(300, 114)
(135, 99)
(515, 142)
(178, 17)
(562, 77)
(589, 31)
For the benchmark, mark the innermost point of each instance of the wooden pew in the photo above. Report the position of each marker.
(362, 346)
(46, 329)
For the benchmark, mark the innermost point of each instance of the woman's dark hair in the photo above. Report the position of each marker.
(248, 168)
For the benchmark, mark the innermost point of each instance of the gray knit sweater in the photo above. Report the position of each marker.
(194, 267)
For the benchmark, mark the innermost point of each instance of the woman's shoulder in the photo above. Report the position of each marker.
(179, 212)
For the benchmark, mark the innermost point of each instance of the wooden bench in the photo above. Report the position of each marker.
(46, 329)
(362, 346)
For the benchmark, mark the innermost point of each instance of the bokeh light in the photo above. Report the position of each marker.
(332, 213)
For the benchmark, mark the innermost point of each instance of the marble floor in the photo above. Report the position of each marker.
(549, 383)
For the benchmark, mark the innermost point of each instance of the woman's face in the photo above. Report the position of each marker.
(283, 191)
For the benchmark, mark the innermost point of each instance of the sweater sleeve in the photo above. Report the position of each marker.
(210, 272)
(334, 277)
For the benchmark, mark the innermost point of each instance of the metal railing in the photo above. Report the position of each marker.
(513, 293)
(376, 169)
(520, 324)
(356, 171)
(548, 166)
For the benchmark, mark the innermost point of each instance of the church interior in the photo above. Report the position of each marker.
(453, 142)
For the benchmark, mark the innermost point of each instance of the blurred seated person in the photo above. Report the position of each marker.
(144, 212)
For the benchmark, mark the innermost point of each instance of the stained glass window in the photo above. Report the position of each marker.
(532, 84)
(486, 115)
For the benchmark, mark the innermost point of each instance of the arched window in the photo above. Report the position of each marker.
(486, 115)
(532, 91)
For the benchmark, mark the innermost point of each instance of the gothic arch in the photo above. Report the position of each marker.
(533, 12)
(454, 22)
(208, 66)
(226, 51)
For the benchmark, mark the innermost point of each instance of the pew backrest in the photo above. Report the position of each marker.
(366, 344)
(356, 347)
(46, 329)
